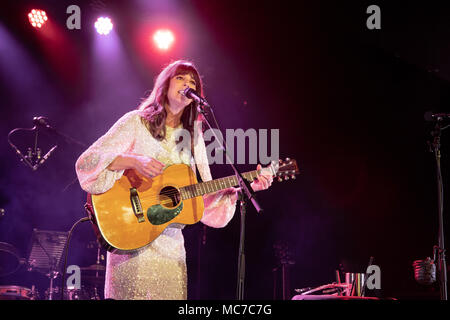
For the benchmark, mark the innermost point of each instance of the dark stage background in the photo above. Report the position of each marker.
(349, 103)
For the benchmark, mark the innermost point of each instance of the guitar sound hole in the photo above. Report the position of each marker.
(169, 197)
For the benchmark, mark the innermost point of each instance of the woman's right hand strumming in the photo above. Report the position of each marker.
(146, 166)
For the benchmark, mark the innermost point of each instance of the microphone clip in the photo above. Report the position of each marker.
(201, 102)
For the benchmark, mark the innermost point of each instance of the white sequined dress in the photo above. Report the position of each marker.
(157, 271)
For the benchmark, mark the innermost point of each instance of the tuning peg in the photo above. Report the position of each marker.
(280, 179)
(286, 177)
(293, 176)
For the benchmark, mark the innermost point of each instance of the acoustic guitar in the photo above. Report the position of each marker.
(137, 209)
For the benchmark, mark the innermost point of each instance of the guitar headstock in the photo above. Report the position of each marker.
(284, 169)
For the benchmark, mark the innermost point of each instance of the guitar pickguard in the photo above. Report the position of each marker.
(158, 214)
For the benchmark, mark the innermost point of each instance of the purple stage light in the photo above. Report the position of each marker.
(103, 25)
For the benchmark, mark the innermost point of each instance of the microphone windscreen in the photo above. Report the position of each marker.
(424, 271)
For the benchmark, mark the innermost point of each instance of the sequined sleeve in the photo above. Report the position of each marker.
(219, 206)
(91, 166)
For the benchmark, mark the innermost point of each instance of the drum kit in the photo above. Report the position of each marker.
(45, 258)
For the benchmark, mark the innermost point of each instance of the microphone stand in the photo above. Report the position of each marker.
(36, 153)
(65, 137)
(244, 194)
(442, 267)
(241, 257)
(28, 159)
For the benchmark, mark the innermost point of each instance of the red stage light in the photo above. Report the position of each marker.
(163, 39)
(37, 18)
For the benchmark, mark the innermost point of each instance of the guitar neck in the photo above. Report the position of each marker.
(199, 189)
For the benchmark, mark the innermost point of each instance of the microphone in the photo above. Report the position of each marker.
(45, 157)
(191, 94)
(41, 121)
(430, 116)
(425, 271)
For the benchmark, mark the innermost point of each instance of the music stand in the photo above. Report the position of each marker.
(45, 254)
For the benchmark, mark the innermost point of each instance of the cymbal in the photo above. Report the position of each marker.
(94, 267)
(10, 260)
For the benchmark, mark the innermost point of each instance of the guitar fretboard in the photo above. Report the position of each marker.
(199, 189)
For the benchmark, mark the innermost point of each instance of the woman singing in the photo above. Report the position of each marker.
(145, 140)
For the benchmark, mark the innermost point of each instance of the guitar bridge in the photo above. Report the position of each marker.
(136, 205)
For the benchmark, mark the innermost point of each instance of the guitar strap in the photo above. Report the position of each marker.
(197, 173)
(90, 213)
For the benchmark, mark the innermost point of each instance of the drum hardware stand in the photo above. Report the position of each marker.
(245, 193)
(53, 274)
(441, 265)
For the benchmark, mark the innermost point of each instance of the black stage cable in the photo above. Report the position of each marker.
(66, 249)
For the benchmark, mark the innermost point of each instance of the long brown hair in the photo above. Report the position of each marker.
(153, 113)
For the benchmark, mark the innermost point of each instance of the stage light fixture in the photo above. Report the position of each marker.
(163, 39)
(103, 25)
(37, 18)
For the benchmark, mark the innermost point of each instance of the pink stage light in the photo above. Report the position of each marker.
(103, 25)
(163, 39)
(37, 18)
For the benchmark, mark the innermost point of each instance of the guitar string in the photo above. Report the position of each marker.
(190, 192)
(171, 193)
